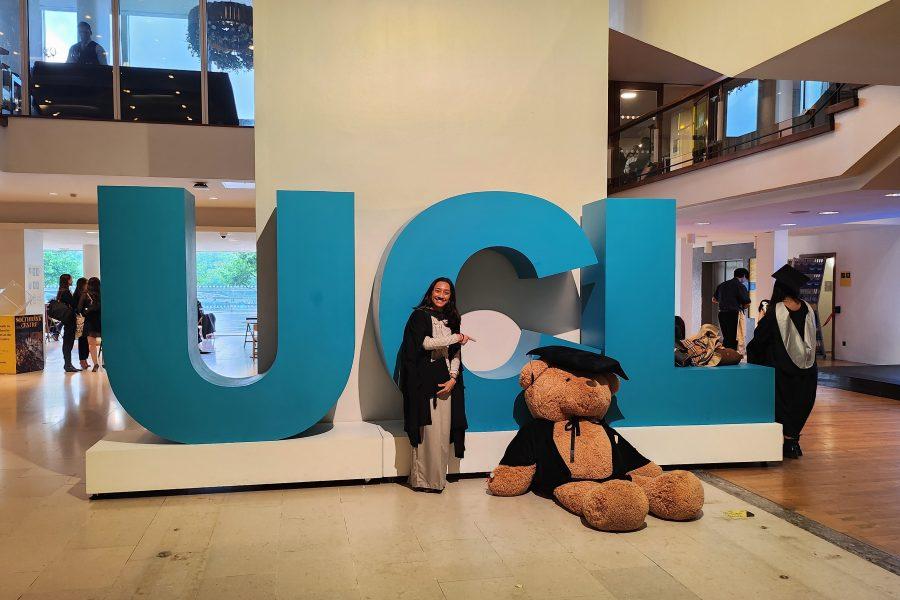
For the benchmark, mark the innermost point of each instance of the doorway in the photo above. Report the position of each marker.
(825, 308)
(713, 273)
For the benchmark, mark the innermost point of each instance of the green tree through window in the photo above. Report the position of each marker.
(57, 262)
(226, 269)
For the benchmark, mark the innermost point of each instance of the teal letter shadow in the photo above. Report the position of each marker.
(147, 238)
(536, 236)
(628, 301)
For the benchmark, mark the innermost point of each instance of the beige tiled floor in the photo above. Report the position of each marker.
(372, 541)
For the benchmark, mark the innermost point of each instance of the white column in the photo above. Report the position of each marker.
(771, 255)
(684, 282)
(21, 272)
(91, 260)
(34, 271)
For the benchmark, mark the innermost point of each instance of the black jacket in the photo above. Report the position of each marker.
(418, 378)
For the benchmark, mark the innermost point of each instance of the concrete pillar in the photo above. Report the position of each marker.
(684, 282)
(21, 272)
(90, 260)
(771, 255)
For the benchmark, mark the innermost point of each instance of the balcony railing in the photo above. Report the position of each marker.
(726, 119)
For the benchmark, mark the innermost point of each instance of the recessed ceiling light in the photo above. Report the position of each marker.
(829, 212)
(893, 194)
(628, 95)
(787, 224)
(702, 223)
(213, 197)
(54, 193)
(92, 232)
(798, 212)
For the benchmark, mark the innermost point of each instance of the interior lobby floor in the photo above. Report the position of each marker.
(386, 541)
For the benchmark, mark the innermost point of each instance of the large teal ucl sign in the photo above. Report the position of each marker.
(625, 250)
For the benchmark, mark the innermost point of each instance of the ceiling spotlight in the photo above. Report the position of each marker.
(829, 212)
(628, 95)
(893, 194)
(787, 225)
(702, 223)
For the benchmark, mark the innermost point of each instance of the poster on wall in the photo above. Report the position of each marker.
(21, 343)
(814, 268)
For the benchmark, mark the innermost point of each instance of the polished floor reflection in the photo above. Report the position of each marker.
(367, 541)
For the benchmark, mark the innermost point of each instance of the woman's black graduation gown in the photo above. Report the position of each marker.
(419, 378)
(795, 388)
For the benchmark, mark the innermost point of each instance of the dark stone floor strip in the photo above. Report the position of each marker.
(876, 556)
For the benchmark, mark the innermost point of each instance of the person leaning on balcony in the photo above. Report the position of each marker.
(785, 339)
(732, 297)
(429, 374)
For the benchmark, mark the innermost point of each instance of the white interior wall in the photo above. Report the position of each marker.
(409, 102)
(869, 321)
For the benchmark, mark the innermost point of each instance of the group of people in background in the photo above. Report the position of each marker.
(84, 323)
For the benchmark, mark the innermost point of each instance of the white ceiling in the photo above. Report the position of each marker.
(729, 224)
(31, 187)
(207, 241)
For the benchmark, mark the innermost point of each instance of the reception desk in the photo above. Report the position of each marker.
(21, 343)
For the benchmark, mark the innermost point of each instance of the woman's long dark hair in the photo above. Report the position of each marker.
(79, 286)
(93, 288)
(449, 311)
(65, 280)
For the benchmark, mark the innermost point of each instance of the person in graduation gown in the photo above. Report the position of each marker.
(785, 339)
(429, 374)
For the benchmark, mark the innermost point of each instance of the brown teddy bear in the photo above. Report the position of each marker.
(570, 452)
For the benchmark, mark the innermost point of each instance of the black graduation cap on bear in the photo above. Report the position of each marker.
(577, 360)
(791, 279)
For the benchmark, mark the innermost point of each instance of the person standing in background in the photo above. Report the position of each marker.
(65, 296)
(91, 310)
(80, 286)
(785, 340)
(732, 297)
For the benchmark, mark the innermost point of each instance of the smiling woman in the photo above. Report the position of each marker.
(430, 377)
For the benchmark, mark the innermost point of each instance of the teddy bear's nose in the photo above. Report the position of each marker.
(590, 382)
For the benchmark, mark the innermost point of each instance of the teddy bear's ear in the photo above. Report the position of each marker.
(530, 372)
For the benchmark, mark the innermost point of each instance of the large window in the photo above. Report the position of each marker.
(160, 76)
(230, 50)
(177, 61)
(741, 109)
(70, 62)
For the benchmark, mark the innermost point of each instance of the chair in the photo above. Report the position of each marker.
(248, 331)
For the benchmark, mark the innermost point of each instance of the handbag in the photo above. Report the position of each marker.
(60, 311)
(682, 356)
(79, 326)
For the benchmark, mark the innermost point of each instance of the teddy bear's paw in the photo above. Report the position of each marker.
(616, 505)
(572, 495)
(510, 481)
(675, 495)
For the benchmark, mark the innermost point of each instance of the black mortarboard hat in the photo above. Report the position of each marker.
(575, 359)
(790, 278)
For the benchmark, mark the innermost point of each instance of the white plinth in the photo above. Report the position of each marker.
(137, 461)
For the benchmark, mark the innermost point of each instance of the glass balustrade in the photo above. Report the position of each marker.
(723, 119)
(179, 61)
